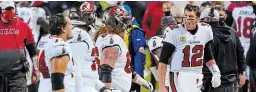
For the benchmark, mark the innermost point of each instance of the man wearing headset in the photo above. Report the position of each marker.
(15, 36)
(228, 53)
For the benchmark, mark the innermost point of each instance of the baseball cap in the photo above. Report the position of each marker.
(5, 4)
(210, 13)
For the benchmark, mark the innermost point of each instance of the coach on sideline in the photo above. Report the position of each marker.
(15, 36)
(228, 53)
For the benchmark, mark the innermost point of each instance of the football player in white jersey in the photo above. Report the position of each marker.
(38, 20)
(58, 56)
(24, 12)
(115, 69)
(189, 46)
(83, 49)
(243, 18)
(45, 80)
(35, 17)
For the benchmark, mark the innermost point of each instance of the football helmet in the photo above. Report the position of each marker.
(82, 13)
(116, 16)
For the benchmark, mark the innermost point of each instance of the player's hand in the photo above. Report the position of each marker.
(162, 89)
(216, 81)
(141, 49)
(149, 86)
(36, 75)
(241, 80)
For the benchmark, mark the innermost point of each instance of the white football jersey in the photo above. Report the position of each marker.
(25, 14)
(189, 49)
(36, 13)
(83, 52)
(111, 40)
(57, 47)
(243, 16)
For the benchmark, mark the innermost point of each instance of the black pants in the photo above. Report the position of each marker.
(252, 77)
(135, 87)
(244, 88)
(207, 86)
(16, 82)
(33, 87)
(230, 88)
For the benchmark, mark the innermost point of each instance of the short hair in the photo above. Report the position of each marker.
(57, 22)
(206, 3)
(194, 8)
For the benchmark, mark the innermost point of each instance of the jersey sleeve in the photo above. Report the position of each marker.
(170, 36)
(110, 40)
(58, 49)
(79, 35)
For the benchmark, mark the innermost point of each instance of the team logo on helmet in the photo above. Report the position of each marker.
(87, 7)
(117, 11)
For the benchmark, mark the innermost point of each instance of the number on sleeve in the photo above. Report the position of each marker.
(195, 59)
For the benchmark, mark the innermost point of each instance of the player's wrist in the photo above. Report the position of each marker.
(214, 69)
(35, 63)
(242, 72)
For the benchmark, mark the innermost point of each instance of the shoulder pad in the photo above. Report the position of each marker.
(108, 40)
(59, 48)
(79, 35)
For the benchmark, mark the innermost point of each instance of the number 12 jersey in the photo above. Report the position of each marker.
(189, 48)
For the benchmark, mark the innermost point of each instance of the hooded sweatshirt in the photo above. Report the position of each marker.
(228, 54)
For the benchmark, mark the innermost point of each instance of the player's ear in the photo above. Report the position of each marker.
(63, 29)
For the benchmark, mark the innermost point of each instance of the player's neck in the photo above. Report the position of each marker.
(192, 30)
(62, 36)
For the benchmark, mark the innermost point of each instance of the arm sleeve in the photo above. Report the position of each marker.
(208, 55)
(147, 19)
(138, 40)
(166, 52)
(240, 55)
(29, 41)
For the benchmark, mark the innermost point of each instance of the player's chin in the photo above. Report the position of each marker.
(70, 37)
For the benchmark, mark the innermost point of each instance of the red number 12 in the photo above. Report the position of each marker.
(197, 52)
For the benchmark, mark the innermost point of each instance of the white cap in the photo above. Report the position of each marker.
(206, 14)
(5, 4)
